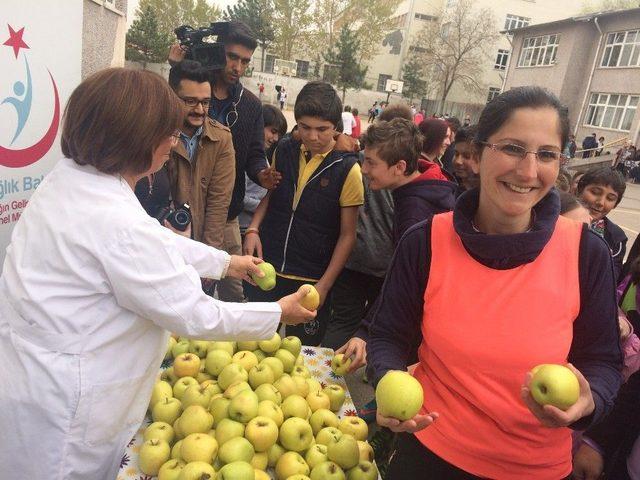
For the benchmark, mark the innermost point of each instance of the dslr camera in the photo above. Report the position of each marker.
(210, 54)
(180, 218)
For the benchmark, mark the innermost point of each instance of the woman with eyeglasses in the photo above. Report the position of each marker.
(489, 291)
(92, 285)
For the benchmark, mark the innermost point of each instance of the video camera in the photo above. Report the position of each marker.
(210, 54)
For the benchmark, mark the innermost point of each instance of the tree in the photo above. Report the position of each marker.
(346, 69)
(456, 51)
(145, 42)
(603, 5)
(258, 15)
(413, 76)
(292, 19)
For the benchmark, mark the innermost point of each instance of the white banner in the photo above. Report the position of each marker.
(40, 61)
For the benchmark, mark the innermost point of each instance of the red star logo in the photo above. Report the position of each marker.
(15, 40)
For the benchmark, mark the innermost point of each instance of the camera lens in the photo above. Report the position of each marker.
(182, 217)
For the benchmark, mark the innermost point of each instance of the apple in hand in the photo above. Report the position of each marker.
(363, 471)
(262, 432)
(153, 454)
(311, 301)
(344, 452)
(354, 426)
(340, 364)
(272, 345)
(186, 365)
(237, 449)
(197, 471)
(198, 447)
(170, 470)
(336, 396)
(293, 344)
(296, 434)
(289, 464)
(554, 385)
(268, 281)
(327, 471)
(399, 395)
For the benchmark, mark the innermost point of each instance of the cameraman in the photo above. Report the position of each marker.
(240, 111)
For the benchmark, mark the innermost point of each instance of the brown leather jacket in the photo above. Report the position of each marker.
(207, 185)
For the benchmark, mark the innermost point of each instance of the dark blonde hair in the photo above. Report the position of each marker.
(117, 118)
(395, 140)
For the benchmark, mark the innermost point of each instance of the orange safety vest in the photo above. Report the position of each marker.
(482, 330)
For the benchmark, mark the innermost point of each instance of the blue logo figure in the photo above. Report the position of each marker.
(23, 107)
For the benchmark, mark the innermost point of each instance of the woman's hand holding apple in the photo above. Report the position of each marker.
(553, 417)
(415, 424)
(292, 312)
(356, 349)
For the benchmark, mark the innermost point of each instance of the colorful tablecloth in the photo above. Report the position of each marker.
(317, 360)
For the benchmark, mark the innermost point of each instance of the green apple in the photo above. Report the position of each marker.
(186, 365)
(167, 410)
(260, 355)
(302, 387)
(235, 389)
(344, 452)
(260, 461)
(323, 418)
(211, 386)
(363, 471)
(314, 385)
(232, 373)
(300, 361)
(153, 454)
(340, 364)
(298, 476)
(195, 419)
(199, 447)
(181, 346)
(316, 455)
(262, 432)
(237, 449)
(199, 347)
(311, 301)
(399, 395)
(259, 375)
(176, 429)
(301, 370)
(170, 470)
(169, 376)
(336, 396)
(554, 385)
(366, 451)
(274, 364)
(287, 358)
(273, 455)
(268, 392)
(175, 450)
(296, 434)
(261, 474)
(216, 360)
(237, 471)
(286, 386)
(161, 390)
(289, 464)
(197, 471)
(248, 345)
(181, 386)
(318, 400)
(171, 342)
(228, 429)
(268, 281)
(328, 436)
(202, 377)
(327, 471)
(229, 347)
(159, 430)
(195, 395)
(267, 408)
(248, 360)
(354, 426)
(243, 407)
(219, 409)
(272, 345)
(295, 406)
(293, 344)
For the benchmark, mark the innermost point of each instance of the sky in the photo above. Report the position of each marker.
(132, 6)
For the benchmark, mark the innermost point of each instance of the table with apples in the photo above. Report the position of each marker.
(250, 410)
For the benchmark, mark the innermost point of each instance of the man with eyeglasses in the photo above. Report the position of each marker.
(202, 166)
(241, 111)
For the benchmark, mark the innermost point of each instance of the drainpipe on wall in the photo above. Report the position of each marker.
(593, 69)
(506, 72)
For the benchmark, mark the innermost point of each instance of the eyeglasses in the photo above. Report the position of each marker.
(175, 138)
(518, 151)
(194, 102)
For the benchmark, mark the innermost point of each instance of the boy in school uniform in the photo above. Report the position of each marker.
(306, 228)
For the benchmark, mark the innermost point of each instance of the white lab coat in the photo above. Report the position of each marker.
(90, 287)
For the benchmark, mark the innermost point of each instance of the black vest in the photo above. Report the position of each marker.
(300, 241)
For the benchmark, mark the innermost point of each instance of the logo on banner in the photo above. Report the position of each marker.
(20, 99)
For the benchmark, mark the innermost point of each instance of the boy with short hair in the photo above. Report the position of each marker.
(307, 226)
(601, 189)
(464, 149)
(392, 161)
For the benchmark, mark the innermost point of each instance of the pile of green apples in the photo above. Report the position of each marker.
(237, 410)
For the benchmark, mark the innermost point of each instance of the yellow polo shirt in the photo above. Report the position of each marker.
(352, 193)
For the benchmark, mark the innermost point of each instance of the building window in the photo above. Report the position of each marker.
(502, 59)
(622, 49)
(493, 93)
(611, 110)
(539, 51)
(302, 68)
(399, 20)
(424, 16)
(269, 60)
(382, 81)
(515, 21)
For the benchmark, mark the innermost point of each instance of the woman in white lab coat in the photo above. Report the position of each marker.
(91, 286)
